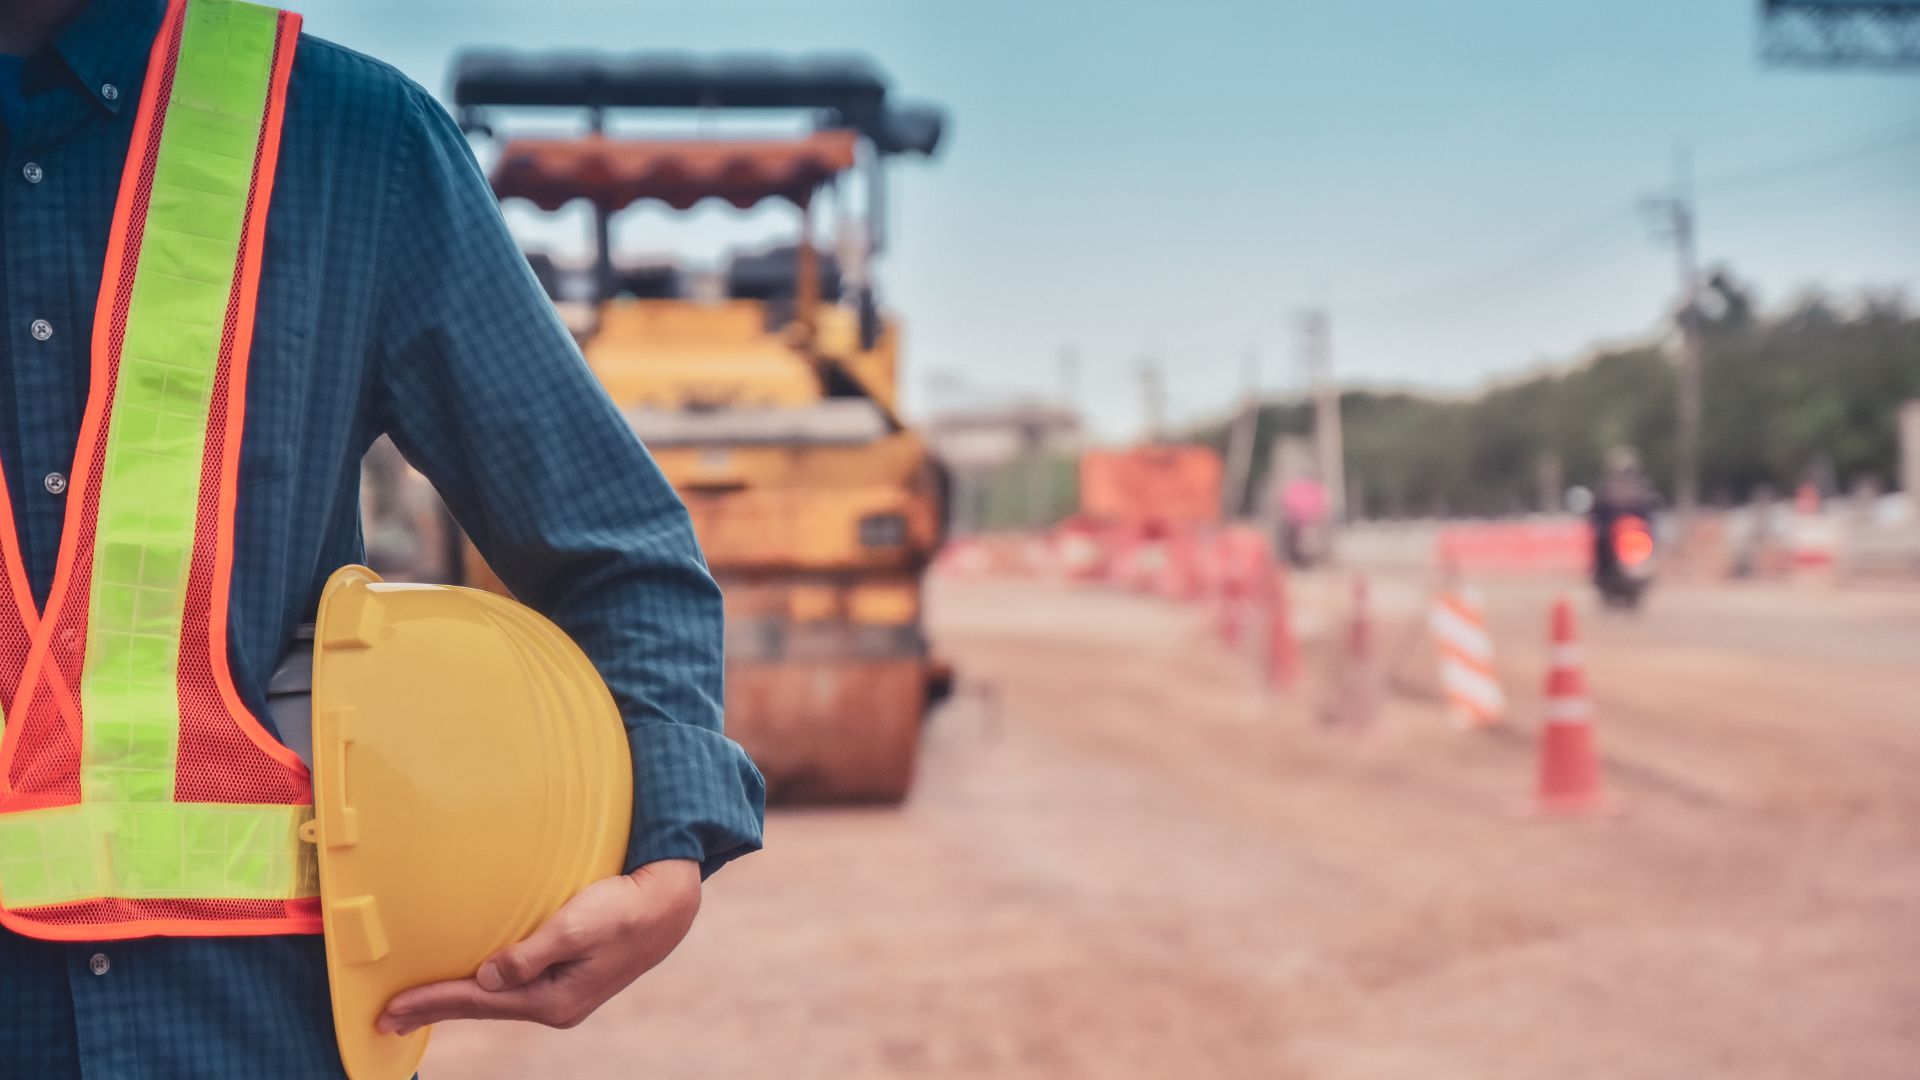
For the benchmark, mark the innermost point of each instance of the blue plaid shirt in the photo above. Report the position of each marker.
(393, 301)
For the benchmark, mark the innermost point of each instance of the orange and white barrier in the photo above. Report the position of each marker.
(1241, 559)
(1814, 541)
(1183, 580)
(1569, 763)
(963, 558)
(1079, 550)
(1468, 679)
(995, 555)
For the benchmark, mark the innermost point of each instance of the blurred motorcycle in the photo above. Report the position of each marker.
(1624, 578)
(1624, 555)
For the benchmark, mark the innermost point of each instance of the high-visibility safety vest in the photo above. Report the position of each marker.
(138, 795)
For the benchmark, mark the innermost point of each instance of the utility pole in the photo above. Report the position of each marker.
(1039, 467)
(1068, 366)
(1039, 442)
(1154, 394)
(1241, 436)
(1674, 221)
(1329, 449)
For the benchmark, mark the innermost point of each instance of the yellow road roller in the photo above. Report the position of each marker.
(766, 386)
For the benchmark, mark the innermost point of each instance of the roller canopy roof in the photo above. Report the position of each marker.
(850, 88)
(665, 80)
(614, 174)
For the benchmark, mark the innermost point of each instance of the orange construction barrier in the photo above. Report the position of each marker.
(1569, 762)
(1468, 679)
(1151, 485)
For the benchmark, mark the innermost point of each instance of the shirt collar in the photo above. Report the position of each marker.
(107, 47)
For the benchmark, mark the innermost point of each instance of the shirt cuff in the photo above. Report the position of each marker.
(696, 795)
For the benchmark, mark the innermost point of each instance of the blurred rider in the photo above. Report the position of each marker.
(1303, 519)
(1623, 492)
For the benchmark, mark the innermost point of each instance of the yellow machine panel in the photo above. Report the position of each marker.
(674, 353)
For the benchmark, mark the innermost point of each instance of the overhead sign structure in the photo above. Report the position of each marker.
(1841, 33)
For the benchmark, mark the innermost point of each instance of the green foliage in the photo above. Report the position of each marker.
(1814, 388)
(1032, 491)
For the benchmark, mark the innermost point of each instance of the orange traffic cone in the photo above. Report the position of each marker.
(1228, 589)
(1283, 653)
(1356, 694)
(1569, 763)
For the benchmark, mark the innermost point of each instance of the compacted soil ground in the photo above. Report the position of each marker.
(1124, 859)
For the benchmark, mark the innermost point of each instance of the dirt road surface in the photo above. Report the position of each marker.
(1123, 860)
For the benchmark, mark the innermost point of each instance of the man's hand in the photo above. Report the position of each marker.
(610, 934)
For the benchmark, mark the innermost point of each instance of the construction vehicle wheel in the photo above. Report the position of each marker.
(837, 731)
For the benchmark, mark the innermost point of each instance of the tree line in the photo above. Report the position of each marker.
(1809, 392)
(1812, 392)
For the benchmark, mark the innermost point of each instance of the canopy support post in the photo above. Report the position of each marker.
(806, 291)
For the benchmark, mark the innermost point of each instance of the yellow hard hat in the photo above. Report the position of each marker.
(471, 774)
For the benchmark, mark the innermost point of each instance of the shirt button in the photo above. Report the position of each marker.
(99, 964)
(31, 170)
(41, 329)
(110, 92)
(55, 483)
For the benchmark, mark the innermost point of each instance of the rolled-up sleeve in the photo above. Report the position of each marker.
(482, 389)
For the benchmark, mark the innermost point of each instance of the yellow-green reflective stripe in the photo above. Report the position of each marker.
(144, 851)
(144, 535)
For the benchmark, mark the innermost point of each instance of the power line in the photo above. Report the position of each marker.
(1901, 173)
(1829, 196)
(1557, 248)
(1903, 134)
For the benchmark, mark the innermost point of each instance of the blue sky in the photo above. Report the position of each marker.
(1456, 180)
